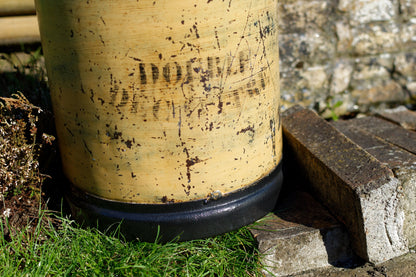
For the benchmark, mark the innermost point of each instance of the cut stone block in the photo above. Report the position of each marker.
(402, 163)
(300, 235)
(358, 189)
(401, 116)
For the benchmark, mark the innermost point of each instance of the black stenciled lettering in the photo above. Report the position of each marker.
(218, 63)
(252, 83)
(236, 97)
(134, 106)
(156, 108)
(178, 72)
(124, 98)
(263, 79)
(262, 82)
(243, 61)
(134, 103)
(249, 85)
(210, 61)
(113, 94)
(155, 73)
(166, 72)
(189, 71)
(255, 87)
(229, 64)
(143, 79)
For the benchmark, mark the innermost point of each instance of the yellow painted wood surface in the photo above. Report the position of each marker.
(17, 7)
(163, 101)
(19, 29)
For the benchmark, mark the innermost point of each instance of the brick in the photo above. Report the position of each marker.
(300, 235)
(392, 156)
(388, 131)
(358, 189)
(400, 116)
(403, 165)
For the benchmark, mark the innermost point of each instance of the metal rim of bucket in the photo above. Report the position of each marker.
(179, 221)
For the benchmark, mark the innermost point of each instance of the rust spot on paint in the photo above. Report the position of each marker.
(192, 161)
(220, 105)
(128, 143)
(101, 100)
(244, 130)
(166, 200)
(82, 89)
(196, 29)
(117, 135)
(86, 147)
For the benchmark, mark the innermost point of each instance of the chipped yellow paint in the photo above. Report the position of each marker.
(160, 101)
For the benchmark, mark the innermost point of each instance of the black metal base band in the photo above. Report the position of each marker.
(179, 221)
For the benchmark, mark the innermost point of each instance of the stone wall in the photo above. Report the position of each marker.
(360, 54)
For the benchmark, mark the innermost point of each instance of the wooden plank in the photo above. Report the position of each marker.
(19, 29)
(17, 7)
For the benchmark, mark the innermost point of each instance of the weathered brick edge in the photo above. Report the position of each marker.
(395, 147)
(401, 116)
(359, 190)
(400, 161)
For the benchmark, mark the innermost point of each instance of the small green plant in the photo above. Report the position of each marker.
(332, 109)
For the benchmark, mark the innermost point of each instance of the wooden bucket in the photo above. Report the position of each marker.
(167, 112)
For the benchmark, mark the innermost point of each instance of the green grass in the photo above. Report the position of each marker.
(72, 251)
(45, 248)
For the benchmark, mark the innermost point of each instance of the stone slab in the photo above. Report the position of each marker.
(300, 235)
(401, 116)
(402, 163)
(358, 189)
